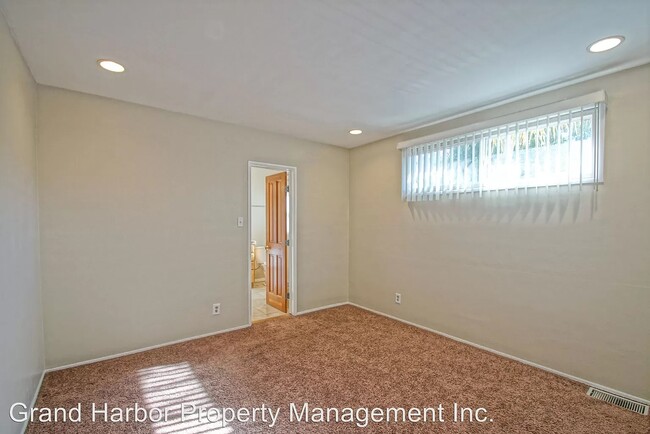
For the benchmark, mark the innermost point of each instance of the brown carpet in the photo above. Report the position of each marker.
(341, 357)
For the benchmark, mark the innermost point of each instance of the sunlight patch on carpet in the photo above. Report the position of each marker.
(168, 387)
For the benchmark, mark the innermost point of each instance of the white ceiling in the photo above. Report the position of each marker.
(318, 68)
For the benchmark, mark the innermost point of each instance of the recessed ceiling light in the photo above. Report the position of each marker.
(605, 44)
(355, 132)
(109, 65)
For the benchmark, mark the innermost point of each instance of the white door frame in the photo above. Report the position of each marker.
(292, 214)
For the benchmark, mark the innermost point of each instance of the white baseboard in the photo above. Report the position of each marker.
(139, 350)
(316, 309)
(508, 356)
(34, 398)
(153, 347)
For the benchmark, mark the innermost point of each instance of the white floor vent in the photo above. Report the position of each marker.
(619, 401)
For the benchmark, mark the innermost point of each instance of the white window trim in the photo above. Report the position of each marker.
(597, 99)
(592, 98)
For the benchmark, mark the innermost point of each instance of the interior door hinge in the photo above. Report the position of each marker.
(288, 295)
(287, 243)
(287, 189)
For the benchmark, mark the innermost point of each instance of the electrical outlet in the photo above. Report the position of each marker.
(216, 309)
(398, 298)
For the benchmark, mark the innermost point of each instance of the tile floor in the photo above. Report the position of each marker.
(261, 310)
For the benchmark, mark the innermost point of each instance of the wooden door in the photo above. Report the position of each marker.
(276, 241)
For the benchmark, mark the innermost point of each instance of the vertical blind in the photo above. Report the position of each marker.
(546, 149)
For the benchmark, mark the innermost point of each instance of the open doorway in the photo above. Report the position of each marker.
(271, 240)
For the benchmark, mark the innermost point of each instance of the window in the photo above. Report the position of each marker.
(552, 146)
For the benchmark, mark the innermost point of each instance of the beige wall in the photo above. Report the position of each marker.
(21, 327)
(139, 231)
(541, 278)
(138, 212)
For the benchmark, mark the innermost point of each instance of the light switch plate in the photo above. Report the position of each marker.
(240, 222)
